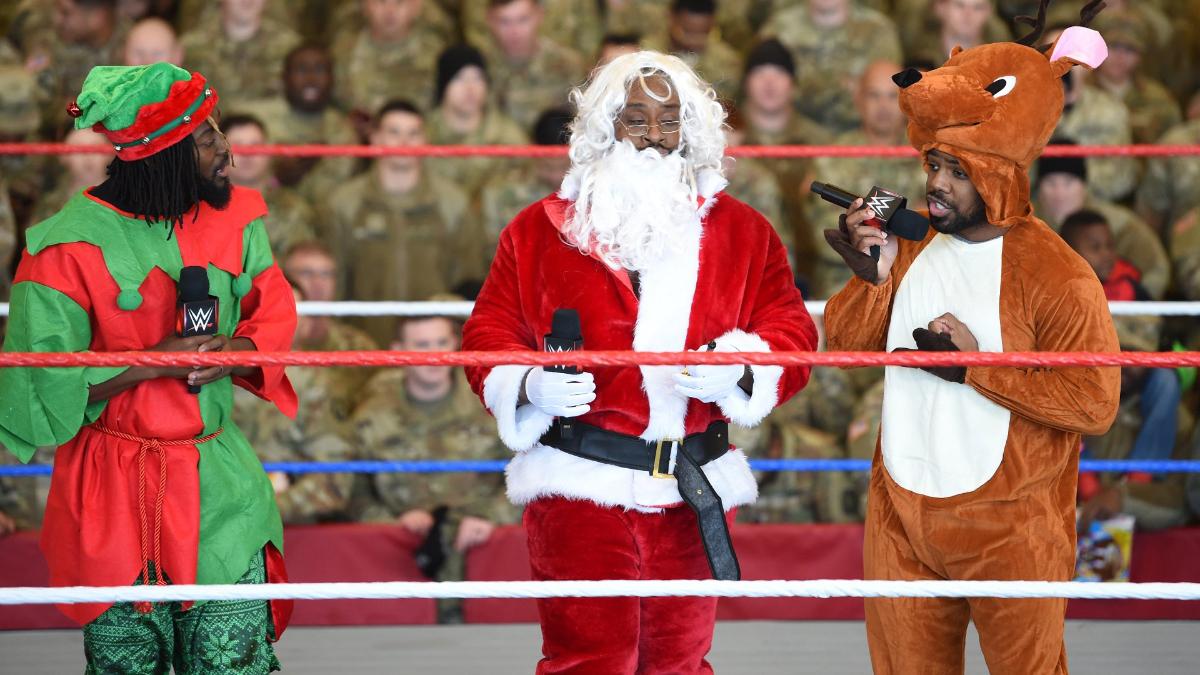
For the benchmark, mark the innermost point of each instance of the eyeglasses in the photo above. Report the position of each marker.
(637, 130)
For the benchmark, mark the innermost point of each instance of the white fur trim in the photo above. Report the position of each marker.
(664, 312)
(545, 472)
(748, 411)
(520, 427)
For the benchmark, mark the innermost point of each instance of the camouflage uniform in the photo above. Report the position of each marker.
(240, 71)
(862, 434)
(433, 22)
(1185, 254)
(1135, 241)
(8, 241)
(23, 498)
(793, 176)
(66, 66)
(524, 90)
(1161, 502)
(1099, 118)
(1172, 184)
(21, 176)
(905, 176)
(1152, 109)
(752, 182)
(719, 64)
(829, 61)
(290, 126)
(570, 23)
(921, 32)
(342, 337)
(501, 199)
(290, 219)
(809, 426)
(471, 173)
(367, 74)
(50, 203)
(400, 247)
(392, 426)
(320, 433)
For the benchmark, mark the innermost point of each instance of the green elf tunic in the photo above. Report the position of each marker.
(96, 279)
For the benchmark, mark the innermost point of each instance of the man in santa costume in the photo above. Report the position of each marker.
(627, 473)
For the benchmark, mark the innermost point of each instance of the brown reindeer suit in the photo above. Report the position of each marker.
(975, 476)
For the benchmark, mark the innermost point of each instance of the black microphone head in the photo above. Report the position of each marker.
(565, 325)
(193, 284)
(908, 224)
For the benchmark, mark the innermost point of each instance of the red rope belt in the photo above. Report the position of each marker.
(155, 445)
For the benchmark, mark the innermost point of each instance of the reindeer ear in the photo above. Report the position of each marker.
(956, 51)
(1077, 46)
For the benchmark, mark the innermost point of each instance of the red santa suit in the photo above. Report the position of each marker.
(727, 281)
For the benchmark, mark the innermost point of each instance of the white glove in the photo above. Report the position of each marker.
(560, 394)
(710, 383)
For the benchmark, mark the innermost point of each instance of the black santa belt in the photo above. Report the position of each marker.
(691, 453)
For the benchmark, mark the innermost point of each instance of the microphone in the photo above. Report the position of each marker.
(565, 336)
(196, 311)
(888, 211)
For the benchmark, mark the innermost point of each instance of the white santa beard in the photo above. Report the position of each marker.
(632, 206)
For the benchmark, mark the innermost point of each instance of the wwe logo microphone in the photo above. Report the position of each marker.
(888, 211)
(565, 336)
(196, 313)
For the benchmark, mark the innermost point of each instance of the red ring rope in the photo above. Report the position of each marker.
(590, 359)
(763, 151)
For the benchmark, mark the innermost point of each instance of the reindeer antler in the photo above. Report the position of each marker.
(1090, 11)
(1039, 24)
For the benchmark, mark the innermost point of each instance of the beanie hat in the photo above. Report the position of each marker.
(143, 110)
(452, 60)
(770, 53)
(1076, 166)
(553, 127)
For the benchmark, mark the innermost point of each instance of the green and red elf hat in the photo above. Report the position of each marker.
(143, 109)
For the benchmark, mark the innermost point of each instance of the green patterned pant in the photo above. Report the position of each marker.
(228, 636)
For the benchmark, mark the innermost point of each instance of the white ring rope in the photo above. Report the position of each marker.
(815, 307)
(819, 588)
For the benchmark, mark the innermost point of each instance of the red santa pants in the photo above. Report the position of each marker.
(576, 539)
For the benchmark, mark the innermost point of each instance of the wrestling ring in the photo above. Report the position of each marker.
(739, 647)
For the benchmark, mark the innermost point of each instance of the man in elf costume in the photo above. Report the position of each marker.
(153, 484)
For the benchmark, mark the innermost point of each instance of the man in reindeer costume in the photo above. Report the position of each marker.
(975, 474)
(627, 473)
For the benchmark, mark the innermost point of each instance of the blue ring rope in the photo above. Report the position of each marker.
(496, 466)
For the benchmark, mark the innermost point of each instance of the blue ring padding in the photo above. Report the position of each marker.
(497, 466)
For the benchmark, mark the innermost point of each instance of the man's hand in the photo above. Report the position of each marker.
(853, 241)
(417, 521)
(472, 532)
(559, 394)
(7, 524)
(279, 481)
(1103, 505)
(174, 343)
(949, 325)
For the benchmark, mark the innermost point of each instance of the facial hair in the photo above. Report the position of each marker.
(216, 195)
(956, 221)
(633, 206)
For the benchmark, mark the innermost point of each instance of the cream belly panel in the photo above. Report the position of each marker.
(941, 438)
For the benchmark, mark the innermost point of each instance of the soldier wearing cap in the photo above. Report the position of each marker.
(691, 34)
(463, 114)
(429, 412)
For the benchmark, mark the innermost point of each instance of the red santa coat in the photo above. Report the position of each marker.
(728, 281)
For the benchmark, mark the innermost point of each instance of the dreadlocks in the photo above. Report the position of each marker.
(162, 187)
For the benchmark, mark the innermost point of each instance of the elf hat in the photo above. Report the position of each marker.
(143, 109)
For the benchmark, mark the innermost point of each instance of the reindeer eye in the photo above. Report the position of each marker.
(1002, 85)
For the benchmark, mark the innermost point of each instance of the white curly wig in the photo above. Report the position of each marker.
(630, 206)
(603, 97)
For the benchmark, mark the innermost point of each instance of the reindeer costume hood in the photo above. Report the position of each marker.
(995, 106)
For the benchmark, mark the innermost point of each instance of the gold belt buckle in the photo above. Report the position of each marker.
(658, 447)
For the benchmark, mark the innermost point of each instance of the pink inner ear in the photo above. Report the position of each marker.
(1082, 44)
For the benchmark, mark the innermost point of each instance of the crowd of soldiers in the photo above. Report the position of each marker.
(499, 72)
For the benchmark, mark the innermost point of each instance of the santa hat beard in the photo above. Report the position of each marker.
(632, 207)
